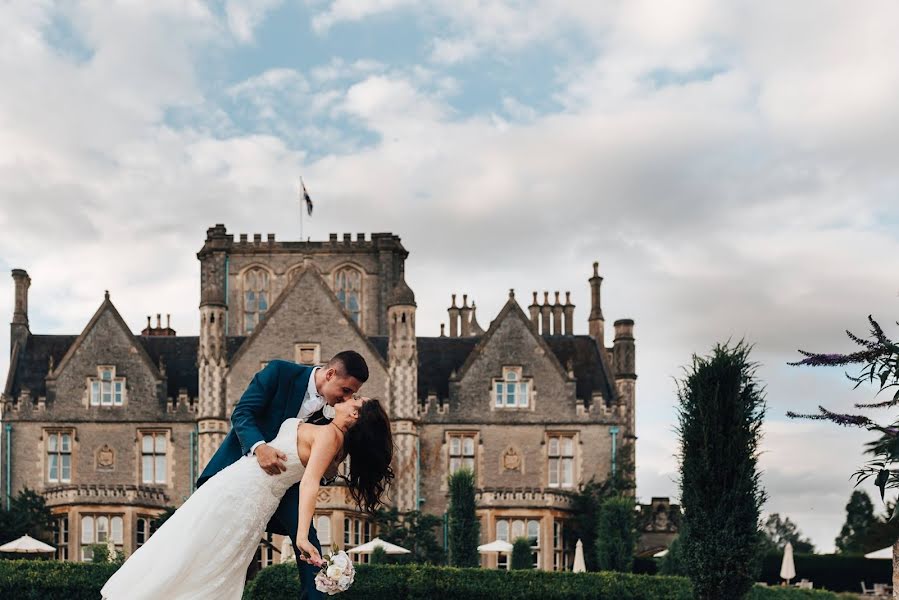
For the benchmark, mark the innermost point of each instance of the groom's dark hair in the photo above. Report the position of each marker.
(352, 364)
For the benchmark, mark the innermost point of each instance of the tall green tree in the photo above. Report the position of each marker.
(721, 407)
(414, 531)
(860, 520)
(616, 535)
(27, 514)
(464, 528)
(777, 532)
(522, 555)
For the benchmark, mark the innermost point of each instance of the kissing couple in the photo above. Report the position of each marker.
(292, 427)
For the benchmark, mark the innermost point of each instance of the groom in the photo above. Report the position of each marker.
(283, 390)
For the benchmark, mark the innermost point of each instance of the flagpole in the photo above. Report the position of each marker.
(302, 210)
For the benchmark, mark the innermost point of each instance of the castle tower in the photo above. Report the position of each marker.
(212, 357)
(402, 361)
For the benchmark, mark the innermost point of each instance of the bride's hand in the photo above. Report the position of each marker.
(309, 553)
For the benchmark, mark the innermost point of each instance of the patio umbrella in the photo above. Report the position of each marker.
(369, 547)
(787, 568)
(27, 545)
(882, 553)
(495, 546)
(579, 565)
(661, 553)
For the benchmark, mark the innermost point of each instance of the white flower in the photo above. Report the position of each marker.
(344, 582)
(328, 411)
(334, 572)
(341, 560)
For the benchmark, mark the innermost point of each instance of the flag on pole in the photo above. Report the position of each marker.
(306, 198)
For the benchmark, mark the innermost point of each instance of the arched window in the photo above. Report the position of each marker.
(348, 287)
(256, 297)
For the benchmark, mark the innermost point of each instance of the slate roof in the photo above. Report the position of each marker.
(438, 357)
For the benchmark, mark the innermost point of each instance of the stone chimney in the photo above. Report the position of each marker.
(159, 330)
(623, 350)
(596, 323)
(545, 315)
(453, 311)
(557, 316)
(534, 309)
(569, 314)
(465, 314)
(19, 327)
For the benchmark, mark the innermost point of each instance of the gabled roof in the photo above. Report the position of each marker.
(307, 272)
(106, 306)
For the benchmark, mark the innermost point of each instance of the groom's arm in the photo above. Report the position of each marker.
(253, 403)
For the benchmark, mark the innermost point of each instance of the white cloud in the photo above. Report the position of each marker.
(245, 15)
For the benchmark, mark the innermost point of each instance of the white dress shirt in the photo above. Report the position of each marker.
(312, 401)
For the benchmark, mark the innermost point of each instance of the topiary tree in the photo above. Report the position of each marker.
(378, 556)
(720, 414)
(616, 535)
(464, 528)
(522, 555)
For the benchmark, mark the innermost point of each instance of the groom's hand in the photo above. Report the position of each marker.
(271, 460)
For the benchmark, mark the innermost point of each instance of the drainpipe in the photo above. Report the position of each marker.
(419, 500)
(614, 433)
(7, 430)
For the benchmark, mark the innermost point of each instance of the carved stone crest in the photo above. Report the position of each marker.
(105, 458)
(511, 460)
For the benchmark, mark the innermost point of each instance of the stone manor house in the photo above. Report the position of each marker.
(112, 427)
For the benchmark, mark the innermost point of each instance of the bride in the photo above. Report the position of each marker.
(203, 550)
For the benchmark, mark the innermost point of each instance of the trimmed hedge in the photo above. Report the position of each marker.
(50, 579)
(418, 582)
(834, 572)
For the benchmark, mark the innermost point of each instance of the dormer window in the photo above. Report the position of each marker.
(513, 390)
(106, 388)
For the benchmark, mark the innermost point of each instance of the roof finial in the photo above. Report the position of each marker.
(511, 293)
(106, 295)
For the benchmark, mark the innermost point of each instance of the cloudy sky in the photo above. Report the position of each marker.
(733, 170)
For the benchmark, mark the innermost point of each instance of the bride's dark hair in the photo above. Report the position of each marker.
(369, 445)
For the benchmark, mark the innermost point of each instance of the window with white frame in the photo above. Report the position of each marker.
(348, 288)
(560, 559)
(99, 529)
(461, 452)
(106, 388)
(560, 460)
(510, 530)
(256, 297)
(323, 529)
(142, 531)
(265, 552)
(356, 531)
(154, 456)
(59, 456)
(513, 390)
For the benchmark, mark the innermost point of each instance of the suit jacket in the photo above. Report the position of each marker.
(275, 395)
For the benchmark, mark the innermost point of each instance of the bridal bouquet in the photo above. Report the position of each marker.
(337, 574)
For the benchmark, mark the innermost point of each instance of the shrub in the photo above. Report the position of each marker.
(378, 556)
(464, 527)
(615, 535)
(46, 579)
(522, 555)
(835, 572)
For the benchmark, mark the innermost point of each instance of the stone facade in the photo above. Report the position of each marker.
(535, 410)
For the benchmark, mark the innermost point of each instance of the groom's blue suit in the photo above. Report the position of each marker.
(274, 395)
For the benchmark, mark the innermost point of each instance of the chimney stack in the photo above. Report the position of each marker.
(596, 323)
(557, 316)
(545, 315)
(623, 350)
(569, 314)
(465, 314)
(19, 326)
(453, 311)
(534, 309)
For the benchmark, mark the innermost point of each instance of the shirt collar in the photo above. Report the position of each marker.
(312, 390)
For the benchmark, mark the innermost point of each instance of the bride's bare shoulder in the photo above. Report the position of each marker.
(318, 434)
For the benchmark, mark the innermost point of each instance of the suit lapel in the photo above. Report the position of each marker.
(296, 393)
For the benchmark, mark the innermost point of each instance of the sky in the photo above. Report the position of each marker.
(732, 167)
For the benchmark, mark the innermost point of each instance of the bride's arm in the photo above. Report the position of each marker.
(325, 444)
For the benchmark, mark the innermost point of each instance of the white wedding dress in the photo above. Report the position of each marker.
(203, 550)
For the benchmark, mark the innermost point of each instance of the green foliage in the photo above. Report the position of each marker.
(859, 520)
(777, 532)
(378, 556)
(616, 535)
(27, 514)
(585, 509)
(44, 579)
(423, 582)
(673, 562)
(413, 531)
(720, 414)
(156, 523)
(100, 554)
(522, 555)
(464, 527)
(835, 572)
(883, 531)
